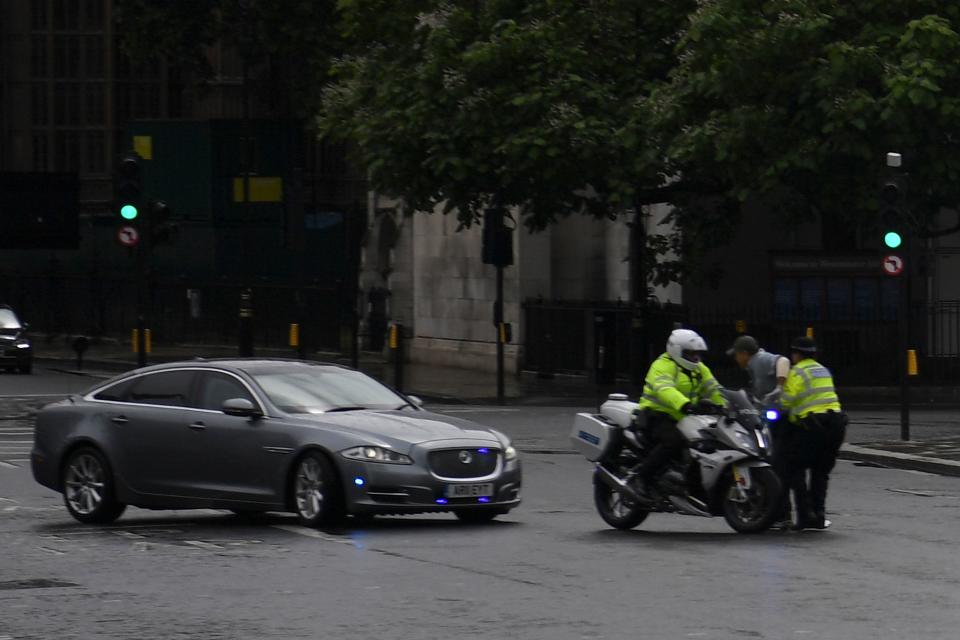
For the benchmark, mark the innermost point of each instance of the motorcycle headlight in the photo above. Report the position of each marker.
(746, 442)
(376, 454)
(509, 453)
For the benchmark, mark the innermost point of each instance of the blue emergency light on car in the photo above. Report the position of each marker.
(359, 482)
(773, 414)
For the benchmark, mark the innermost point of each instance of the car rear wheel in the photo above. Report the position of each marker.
(317, 496)
(88, 489)
(477, 516)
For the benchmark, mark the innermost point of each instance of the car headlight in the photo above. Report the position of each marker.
(509, 453)
(376, 454)
(22, 344)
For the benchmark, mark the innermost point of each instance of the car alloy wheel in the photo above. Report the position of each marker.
(316, 491)
(88, 488)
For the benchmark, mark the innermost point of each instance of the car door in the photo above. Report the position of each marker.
(236, 466)
(151, 425)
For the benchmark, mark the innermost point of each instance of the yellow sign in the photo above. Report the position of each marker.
(741, 326)
(393, 336)
(809, 332)
(143, 145)
(294, 335)
(262, 189)
(912, 368)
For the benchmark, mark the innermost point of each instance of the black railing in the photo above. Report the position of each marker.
(563, 337)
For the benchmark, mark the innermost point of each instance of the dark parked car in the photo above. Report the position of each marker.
(248, 435)
(16, 352)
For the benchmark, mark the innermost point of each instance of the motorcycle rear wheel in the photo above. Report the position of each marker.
(762, 506)
(615, 510)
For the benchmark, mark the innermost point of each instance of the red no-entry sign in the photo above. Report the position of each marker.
(128, 235)
(892, 265)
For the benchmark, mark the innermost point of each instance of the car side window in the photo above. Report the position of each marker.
(169, 388)
(215, 388)
(116, 392)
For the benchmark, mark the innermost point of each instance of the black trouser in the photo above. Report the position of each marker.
(813, 447)
(780, 431)
(669, 442)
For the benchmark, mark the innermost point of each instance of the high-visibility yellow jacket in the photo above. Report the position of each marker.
(669, 386)
(809, 389)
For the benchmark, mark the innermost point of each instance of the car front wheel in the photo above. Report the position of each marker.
(88, 490)
(317, 496)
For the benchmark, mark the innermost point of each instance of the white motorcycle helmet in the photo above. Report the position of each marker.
(685, 347)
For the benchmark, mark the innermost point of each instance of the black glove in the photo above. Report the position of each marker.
(702, 407)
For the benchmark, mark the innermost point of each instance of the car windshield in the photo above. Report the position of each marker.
(324, 389)
(9, 324)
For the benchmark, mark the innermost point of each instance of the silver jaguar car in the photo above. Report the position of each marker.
(249, 435)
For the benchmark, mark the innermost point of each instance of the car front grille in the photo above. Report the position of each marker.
(464, 463)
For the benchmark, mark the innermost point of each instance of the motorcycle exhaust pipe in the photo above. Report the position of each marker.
(617, 484)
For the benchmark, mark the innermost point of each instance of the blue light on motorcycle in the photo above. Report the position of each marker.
(483, 499)
(773, 414)
(441, 501)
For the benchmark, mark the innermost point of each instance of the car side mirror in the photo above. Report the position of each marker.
(416, 400)
(240, 407)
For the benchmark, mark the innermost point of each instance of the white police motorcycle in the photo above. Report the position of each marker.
(724, 470)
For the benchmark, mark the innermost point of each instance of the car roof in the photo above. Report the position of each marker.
(242, 364)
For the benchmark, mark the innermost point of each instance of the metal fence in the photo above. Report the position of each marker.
(563, 337)
(178, 312)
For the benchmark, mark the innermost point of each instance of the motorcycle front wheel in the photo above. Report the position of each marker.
(617, 511)
(761, 507)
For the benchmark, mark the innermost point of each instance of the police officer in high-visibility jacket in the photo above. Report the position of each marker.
(677, 383)
(818, 426)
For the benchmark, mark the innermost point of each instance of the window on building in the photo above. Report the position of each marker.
(95, 100)
(66, 56)
(66, 147)
(835, 298)
(93, 14)
(66, 15)
(96, 151)
(39, 15)
(38, 57)
(41, 103)
(40, 152)
(95, 56)
(67, 108)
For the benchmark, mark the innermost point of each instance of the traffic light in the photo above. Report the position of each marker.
(892, 212)
(128, 186)
(162, 228)
(497, 239)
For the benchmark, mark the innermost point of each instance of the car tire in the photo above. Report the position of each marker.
(477, 516)
(316, 493)
(88, 488)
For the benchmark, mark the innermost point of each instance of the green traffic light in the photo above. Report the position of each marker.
(892, 239)
(128, 212)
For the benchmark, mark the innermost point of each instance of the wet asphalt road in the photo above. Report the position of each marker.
(551, 569)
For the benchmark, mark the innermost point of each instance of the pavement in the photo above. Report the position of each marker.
(874, 437)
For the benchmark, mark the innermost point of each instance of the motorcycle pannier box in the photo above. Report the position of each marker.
(593, 435)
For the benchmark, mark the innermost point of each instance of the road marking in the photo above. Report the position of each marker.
(310, 533)
(204, 545)
(8, 465)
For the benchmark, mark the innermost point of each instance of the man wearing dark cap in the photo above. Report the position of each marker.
(768, 373)
(819, 426)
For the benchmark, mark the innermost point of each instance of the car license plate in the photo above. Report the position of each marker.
(484, 490)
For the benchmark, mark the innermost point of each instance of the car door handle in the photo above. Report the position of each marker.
(198, 426)
(119, 419)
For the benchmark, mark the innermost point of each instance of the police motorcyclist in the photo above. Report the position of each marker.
(677, 383)
(768, 373)
(819, 427)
